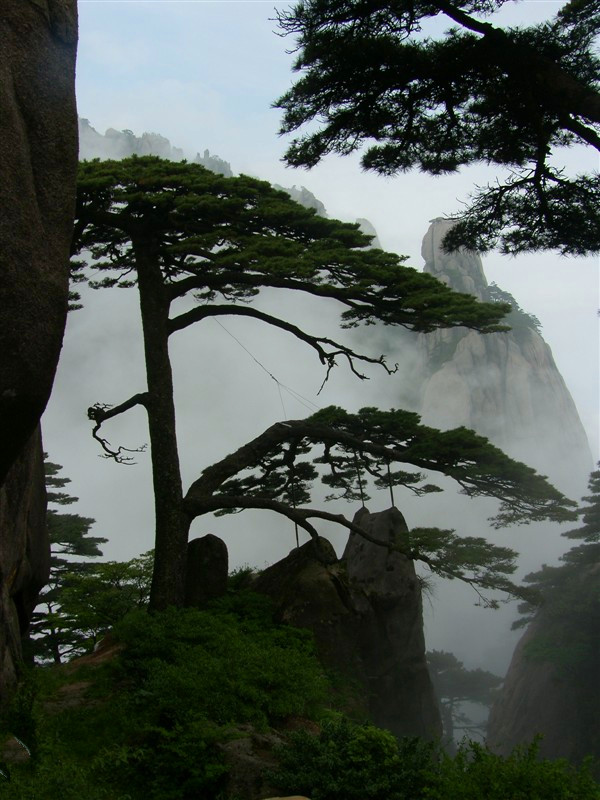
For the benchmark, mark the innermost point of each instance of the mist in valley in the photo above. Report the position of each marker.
(233, 378)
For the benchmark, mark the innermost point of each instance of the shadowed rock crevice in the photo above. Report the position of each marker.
(24, 554)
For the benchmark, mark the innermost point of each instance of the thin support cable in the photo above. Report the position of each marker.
(281, 399)
(362, 496)
(299, 398)
(390, 483)
(291, 469)
(292, 392)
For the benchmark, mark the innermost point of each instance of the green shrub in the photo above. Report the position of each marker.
(187, 679)
(178, 763)
(475, 773)
(192, 676)
(228, 664)
(183, 682)
(361, 762)
(353, 762)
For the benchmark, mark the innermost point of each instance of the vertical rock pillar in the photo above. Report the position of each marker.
(366, 616)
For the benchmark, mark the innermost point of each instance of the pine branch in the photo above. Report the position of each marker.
(316, 342)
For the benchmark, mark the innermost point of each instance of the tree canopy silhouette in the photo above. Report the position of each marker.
(511, 97)
(176, 230)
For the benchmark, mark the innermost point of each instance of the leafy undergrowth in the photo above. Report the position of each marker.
(152, 716)
(147, 723)
(361, 762)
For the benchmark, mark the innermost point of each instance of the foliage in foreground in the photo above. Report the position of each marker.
(361, 762)
(511, 97)
(184, 681)
(155, 718)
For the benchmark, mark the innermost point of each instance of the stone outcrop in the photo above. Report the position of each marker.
(249, 756)
(207, 570)
(38, 163)
(365, 613)
(560, 701)
(24, 554)
(368, 228)
(304, 197)
(214, 163)
(505, 386)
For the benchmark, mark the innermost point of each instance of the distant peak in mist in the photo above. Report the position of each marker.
(114, 144)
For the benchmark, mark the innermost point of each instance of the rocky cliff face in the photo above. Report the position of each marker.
(505, 386)
(24, 554)
(116, 144)
(559, 700)
(38, 162)
(365, 612)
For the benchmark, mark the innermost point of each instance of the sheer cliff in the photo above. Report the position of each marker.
(505, 386)
(38, 165)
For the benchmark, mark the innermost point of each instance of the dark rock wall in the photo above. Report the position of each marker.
(561, 702)
(366, 616)
(24, 554)
(38, 163)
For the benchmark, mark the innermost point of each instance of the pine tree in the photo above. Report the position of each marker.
(96, 596)
(509, 97)
(52, 635)
(454, 686)
(175, 231)
(568, 596)
(564, 623)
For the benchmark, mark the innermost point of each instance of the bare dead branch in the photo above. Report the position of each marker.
(100, 412)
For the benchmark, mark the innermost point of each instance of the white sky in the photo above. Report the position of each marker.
(204, 74)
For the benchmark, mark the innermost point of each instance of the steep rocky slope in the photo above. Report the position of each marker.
(559, 699)
(38, 161)
(505, 386)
